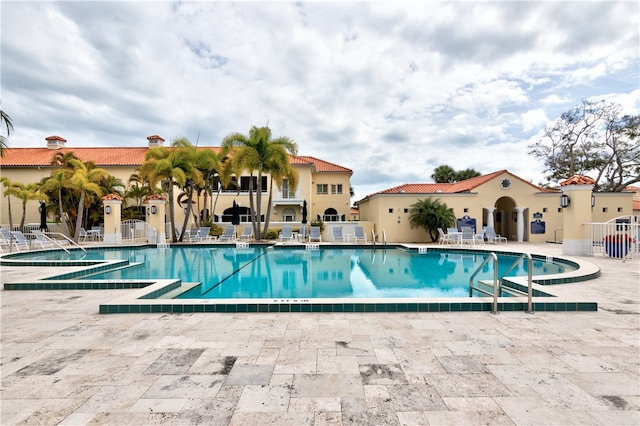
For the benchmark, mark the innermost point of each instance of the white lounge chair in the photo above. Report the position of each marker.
(479, 238)
(315, 235)
(42, 240)
(229, 234)
(247, 234)
(20, 241)
(286, 234)
(444, 238)
(454, 235)
(492, 237)
(336, 233)
(359, 234)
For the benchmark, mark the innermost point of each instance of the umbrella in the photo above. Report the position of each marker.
(235, 214)
(304, 211)
(43, 217)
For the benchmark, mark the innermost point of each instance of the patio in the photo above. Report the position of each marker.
(63, 363)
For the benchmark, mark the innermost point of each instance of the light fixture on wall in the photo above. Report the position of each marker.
(593, 200)
(153, 210)
(107, 209)
(564, 201)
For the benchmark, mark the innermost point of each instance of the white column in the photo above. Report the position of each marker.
(520, 224)
(490, 211)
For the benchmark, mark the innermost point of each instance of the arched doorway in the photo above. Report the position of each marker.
(505, 217)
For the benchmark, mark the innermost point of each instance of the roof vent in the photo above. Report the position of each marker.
(155, 140)
(55, 142)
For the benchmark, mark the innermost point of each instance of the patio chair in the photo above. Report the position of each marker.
(492, 237)
(359, 234)
(314, 234)
(199, 234)
(20, 241)
(454, 235)
(229, 234)
(286, 234)
(467, 237)
(444, 238)
(247, 234)
(336, 232)
(479, 238)
(97, 232)
(5, 238)
(83, 235)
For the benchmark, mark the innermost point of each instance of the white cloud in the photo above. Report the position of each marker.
(389, 89)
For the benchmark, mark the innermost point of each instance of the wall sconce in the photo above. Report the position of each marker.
(153, 210)
(564, 201)
(593, 200)
(107, 209)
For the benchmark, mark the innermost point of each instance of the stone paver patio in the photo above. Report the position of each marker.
(63, 363)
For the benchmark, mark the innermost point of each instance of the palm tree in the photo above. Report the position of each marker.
(6, 182)
(55, 184)
(260, 154)
(8, 124)
(168, 168)
(26, 193)
(85, 180)
(431, 214)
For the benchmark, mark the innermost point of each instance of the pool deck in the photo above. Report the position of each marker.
(64, 363)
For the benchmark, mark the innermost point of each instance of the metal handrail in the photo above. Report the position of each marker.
(529, 278)
(495, 280)
(73, 243)
(373, 237)
(384, 238)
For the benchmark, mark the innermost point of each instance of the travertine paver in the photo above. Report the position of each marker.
(63, 363)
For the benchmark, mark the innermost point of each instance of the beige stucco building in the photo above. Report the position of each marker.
(323, 185)
(516, 209)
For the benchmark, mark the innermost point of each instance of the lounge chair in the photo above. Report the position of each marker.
(454, 235)
(337, 233)
(492, 237)
(199, 234)
(286, 234)
(5, 238)
(229, 234)
(314, 234)
(247, 234)
(359, 234)
(20, 241)
(42, 240)
(83, 235)
(479, 238)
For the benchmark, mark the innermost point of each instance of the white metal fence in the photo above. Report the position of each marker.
(135, 231)
(617, 238)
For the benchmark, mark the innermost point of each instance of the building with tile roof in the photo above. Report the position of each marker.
(324, 185)
(516, 208)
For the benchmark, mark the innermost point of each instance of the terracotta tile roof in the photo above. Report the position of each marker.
(322, 166)
(125, 156)
(578, 180)
(449, 188)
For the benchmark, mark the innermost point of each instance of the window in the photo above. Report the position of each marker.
(544, 210)
(406, 210)
(244, 183)
(336, 188)
(604, 210)
(322, 188)
(619, 209)
(466, 210)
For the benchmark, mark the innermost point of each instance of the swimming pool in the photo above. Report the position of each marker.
(218, 278)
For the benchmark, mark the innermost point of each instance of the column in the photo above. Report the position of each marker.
(490, 223)
(155, 218)
(112, 205)
(576, 214)
(520, 223)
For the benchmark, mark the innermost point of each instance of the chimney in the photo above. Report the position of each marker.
(55, 142)
(155, 140)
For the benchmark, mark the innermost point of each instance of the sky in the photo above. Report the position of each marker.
(388, 89)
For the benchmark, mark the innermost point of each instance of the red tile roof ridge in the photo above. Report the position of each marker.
(323, 165)
(578, 180)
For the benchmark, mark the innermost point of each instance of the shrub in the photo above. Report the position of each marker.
(272, 234)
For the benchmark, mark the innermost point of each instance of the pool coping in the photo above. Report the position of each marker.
(144, 298)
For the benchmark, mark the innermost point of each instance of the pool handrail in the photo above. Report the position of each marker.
(529, 279)
(69, 240)
(494, 257)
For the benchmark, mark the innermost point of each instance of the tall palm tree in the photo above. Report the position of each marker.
(55, 184)
(260, 154)
(431, 214)
(85, 180)
(6, 122)
(6, 182)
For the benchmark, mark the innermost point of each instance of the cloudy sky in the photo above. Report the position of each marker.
(389, 89)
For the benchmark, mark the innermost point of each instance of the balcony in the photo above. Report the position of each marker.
(285, 197)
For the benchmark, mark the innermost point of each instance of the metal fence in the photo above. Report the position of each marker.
(617, 238)
(135, 231)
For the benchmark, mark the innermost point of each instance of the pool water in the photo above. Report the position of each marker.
(286, 273)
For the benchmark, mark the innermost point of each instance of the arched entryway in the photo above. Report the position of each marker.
(509, 220)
